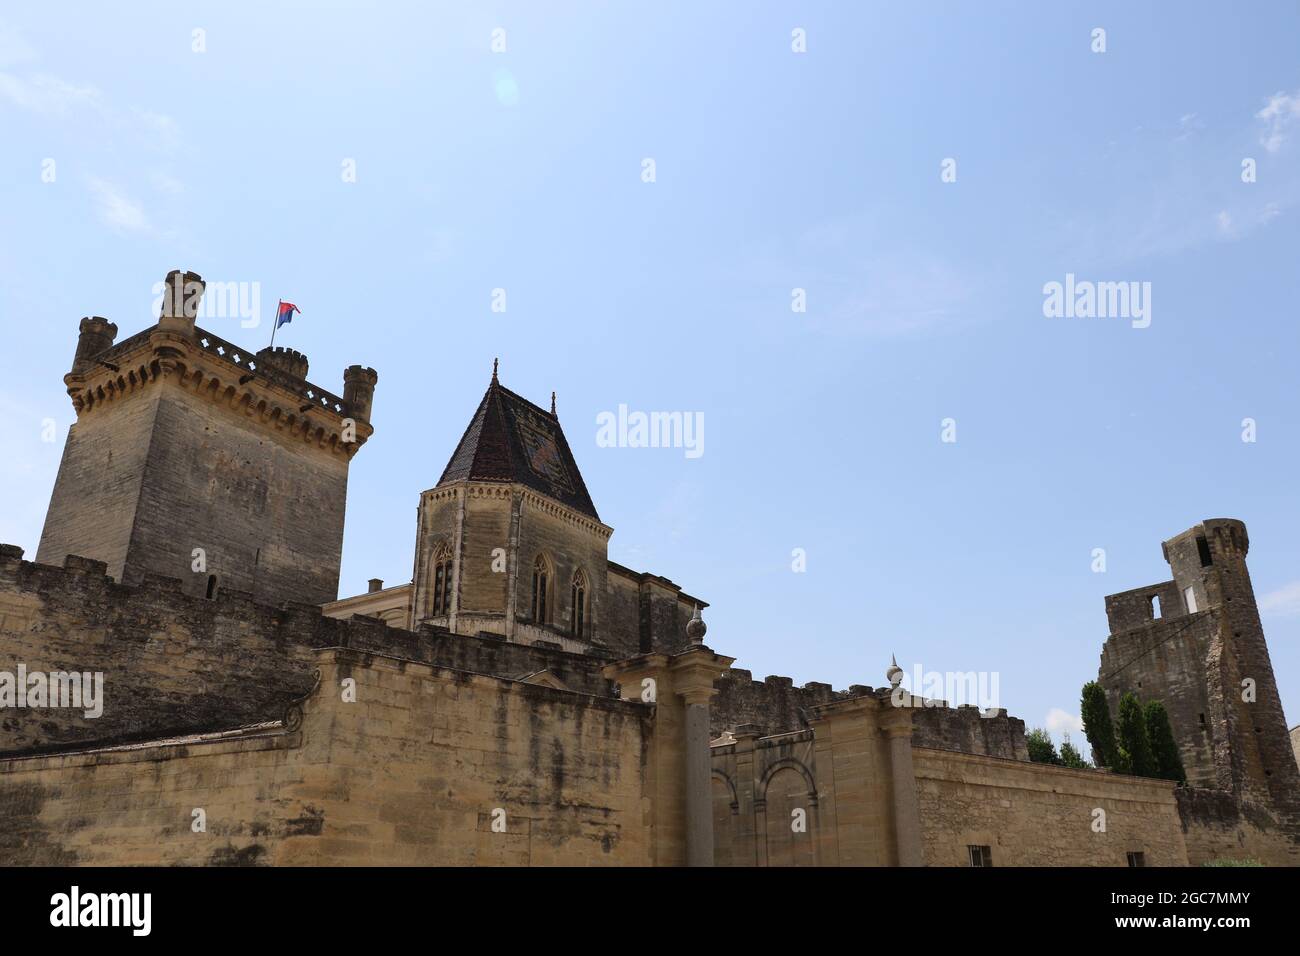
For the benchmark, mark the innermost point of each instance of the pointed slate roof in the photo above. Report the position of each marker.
(511, 439)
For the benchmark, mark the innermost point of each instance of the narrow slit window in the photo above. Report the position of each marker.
(541, 585)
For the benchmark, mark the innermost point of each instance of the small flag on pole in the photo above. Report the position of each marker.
(285, 314)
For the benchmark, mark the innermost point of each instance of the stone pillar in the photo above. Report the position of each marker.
(699, 808)
(678, 765)
(896, 724)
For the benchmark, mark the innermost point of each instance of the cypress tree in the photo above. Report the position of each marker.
(1133, 739)
(1168, 764)
(1097, 726)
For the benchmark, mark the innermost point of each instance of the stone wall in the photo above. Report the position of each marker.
(1032, 814)
(1165, 661)
(266, 508)
(775, 706)
(174, 663)
(413, 771)
(1219, 826)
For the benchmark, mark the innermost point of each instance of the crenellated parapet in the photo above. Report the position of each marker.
(775, 706)
(269, 385)
(174, 662)
(289, 361)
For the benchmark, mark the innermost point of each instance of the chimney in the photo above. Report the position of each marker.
(376, 584)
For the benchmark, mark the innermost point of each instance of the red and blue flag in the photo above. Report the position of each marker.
(285, 313)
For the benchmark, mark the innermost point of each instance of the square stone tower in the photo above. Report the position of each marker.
(193, 459)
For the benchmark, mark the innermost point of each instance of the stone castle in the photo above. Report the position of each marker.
(522, 700)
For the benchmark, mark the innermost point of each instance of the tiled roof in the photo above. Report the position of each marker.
(511, 439)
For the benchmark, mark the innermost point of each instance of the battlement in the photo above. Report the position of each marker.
(289, 361)
(774, 706)
(270, 386)
(174, 663)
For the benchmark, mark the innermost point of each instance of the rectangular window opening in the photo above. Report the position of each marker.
(980, 855)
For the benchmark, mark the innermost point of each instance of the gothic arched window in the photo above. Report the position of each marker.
(541, 589)
(442, 581)
(579, 620)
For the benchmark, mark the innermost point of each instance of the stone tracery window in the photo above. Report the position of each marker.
(579, 603)
(442, 566)
(542, 578)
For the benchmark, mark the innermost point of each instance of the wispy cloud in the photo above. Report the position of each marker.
(1279, 115)
(1284, 602)
(87, 112)
(1188, 125)
(48, 95)
(116, 209)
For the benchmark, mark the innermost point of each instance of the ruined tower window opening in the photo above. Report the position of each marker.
(442, 581)
(1189, 598)
(1203, 549)
(579, 603)
(980, 855)
(1155, 607)
(212, 587)
(1137, 858)
(541, 584)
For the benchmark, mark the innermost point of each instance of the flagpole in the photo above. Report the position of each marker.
(275, 321)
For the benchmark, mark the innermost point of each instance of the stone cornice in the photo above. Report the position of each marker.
(507, 490)
(223, 374)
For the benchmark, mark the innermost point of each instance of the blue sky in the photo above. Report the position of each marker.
(774, 170)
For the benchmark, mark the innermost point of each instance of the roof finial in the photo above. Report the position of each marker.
(494, 370)
(696, 628)
(552, 404)
(895, 673)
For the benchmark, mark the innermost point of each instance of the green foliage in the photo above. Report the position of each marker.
(1097, 726)
(1134, 744)
(1041, 748)
(1164, 751)
(1070, 756)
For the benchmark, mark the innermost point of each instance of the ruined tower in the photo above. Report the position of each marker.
(1196, 644)
(195, 459)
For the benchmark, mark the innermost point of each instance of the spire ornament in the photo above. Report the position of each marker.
(695, 627)
(895, 673)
